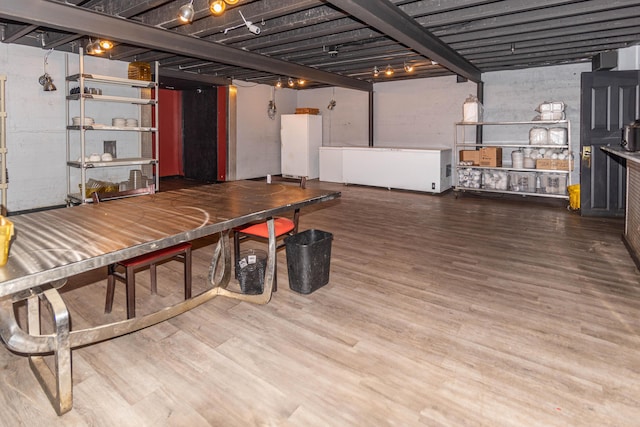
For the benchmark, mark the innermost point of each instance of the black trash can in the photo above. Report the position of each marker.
(250, 268)
(308, 260)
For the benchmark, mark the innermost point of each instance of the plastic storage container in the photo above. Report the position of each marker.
(308, 260)
(522, 181)
(553, 183)
(6, 233)
(250, 268)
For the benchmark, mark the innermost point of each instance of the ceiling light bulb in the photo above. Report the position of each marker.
(408, 67)
(97, 48)
(290, 82)
(231, 2)
(106, 44)
(376, 71)
(301, 82)
(217, 7)
(279, 83)
(388, 71)
(186, 13)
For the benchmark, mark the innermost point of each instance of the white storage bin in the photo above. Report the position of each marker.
(553, 183)
(469, 178)
(495, 180)
(538, 136)
(558, 136)
(522, 181)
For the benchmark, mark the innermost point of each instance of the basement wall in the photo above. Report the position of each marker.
(414, 113)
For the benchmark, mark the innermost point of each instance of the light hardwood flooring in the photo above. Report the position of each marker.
(476, 311)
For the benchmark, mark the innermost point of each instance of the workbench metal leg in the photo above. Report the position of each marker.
(56, 384)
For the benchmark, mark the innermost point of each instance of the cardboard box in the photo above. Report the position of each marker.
(554, 164)
(470, 156)
(307, 111)
(491, 156)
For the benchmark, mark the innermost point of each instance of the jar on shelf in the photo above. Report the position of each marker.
(140, 71)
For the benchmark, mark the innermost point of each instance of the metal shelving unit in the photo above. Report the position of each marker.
(146, 99)
(459, 131)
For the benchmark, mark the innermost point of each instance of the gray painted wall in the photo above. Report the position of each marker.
(414, 113)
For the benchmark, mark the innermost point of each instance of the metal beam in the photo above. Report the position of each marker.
(68, 18)
(390, 20)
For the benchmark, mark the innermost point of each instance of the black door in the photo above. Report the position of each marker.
(609, 100)
(199, 129)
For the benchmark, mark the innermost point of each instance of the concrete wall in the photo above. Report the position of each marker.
(258, 136)
(348, 123)
(36, 126)
(418, 113)
(410, 113)
(514, 96)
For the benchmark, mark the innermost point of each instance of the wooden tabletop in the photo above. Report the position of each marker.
(55, 244)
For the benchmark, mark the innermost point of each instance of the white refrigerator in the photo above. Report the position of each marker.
(300, 138)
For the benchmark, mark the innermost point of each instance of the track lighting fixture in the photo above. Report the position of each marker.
(376, 71)
(186, 13)
(388, 71)
(106, 44)
(217, 7)
(290, 82)
(408, 67)
(279, 83)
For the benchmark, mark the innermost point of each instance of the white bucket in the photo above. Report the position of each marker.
(517, 159)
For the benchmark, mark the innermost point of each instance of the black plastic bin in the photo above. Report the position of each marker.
(308, 260)
(250, 268)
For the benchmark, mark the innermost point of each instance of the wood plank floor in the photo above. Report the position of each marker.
(479, 311)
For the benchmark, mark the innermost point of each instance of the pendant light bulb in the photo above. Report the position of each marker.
(217, 7)
(106, 44)
(290, 82)
(389, 70)
(408, 68)
(186, 13)
(279, 83)
(376, 71)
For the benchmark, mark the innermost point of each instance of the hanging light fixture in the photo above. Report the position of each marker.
(408, 67)
(301, 82)
(186, 13)
(93, 47)
(217, 7)
(388, 71)
(376, 71)
(279, 83)
(105, 44)
(45, 80)
(290, 82)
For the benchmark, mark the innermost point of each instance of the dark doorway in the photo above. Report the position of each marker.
(199, 129)
(609, 100)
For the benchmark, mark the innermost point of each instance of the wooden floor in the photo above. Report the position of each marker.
(479, 311)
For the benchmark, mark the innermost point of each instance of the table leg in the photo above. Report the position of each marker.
(57, 385)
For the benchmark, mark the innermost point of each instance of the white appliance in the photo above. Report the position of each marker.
(415, 169)
(300, 138)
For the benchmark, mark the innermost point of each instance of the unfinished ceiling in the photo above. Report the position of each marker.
(331, 43)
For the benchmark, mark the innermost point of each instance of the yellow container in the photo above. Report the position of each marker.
(6, 233)
(574, 196)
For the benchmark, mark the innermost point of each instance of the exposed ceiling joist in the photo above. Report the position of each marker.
(390, 20)
(69, 18)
